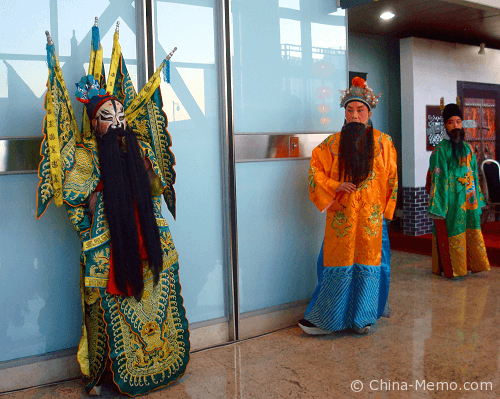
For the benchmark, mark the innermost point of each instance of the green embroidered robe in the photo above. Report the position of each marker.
(146, 343)
(456, 198)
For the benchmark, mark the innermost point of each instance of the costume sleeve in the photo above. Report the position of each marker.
(392, 182)
(158, 183)
(479, 192)
(81, 181)
(438, 197)
(80, 219)
(321, 187)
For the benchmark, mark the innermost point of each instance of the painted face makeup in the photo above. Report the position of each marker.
(111, 115)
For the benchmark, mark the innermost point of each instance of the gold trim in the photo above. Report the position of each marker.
(99, 240)
(103, 282)
(95, 242)
(161, 222)
(113, 68)
(96, 282)
(54, 148)
(144, 95)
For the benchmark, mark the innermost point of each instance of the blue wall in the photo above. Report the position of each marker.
(40, 308)
(379, 57)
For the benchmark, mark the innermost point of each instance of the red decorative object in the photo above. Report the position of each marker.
(359, 82)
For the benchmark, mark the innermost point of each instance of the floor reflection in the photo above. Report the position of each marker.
(441, 335)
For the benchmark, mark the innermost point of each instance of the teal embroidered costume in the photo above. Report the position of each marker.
(139, 340)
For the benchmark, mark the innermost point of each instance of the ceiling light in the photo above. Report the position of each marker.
(387, 15)
(481, 48)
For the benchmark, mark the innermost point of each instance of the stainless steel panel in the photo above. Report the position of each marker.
(20, 155)
(141, 44)
(224, 33)
(273, 147)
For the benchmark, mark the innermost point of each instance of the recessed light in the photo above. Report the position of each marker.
(387, 15)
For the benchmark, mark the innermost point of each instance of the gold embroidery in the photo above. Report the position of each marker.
(102, 282)
(96, 282)
(54, 143)
(161, 222)
(312, 184)
(151, 335)
(340, 219)
(365, 182)
(100, 267)
(159, 349)
(458, 254)
(375, 219)
(91, 295)
(76, 215)
(95, 242)
(97, 339)
(81, 179)
(101, 223)
(477, 259)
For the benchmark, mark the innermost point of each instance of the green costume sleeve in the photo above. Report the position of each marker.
(80, 183)
(479, 193)
(80, 220)
(438, 198)
(158, 184)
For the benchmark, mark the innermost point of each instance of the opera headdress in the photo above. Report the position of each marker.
(359, 91)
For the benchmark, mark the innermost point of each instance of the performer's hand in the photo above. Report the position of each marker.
(149, 169)
(92, 202)
(346, 186)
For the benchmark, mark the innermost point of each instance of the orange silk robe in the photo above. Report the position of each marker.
(354, 221)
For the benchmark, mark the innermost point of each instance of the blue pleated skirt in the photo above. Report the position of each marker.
(351, 296)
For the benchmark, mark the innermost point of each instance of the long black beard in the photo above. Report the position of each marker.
(124, 180)
(457, 141)
(355, 152)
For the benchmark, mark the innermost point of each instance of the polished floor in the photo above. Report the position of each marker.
(441, 341)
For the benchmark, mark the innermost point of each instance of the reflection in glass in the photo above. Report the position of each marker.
(39, 260)
(281, 61)
(290, 41)
(276, 45)
(22, 27)
(23, 73)
(191, 104)
(294, 4)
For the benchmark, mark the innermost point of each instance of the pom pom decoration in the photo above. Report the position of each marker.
(358, 82)
(359, 91)
(87, 88)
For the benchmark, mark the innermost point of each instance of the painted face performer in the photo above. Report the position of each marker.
(127, 196)
(135, 330)
(455, 202)
(110, 176)
(353, 178)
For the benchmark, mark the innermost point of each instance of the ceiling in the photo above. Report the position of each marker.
(450, 21)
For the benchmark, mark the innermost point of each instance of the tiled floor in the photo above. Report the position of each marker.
(440, 332)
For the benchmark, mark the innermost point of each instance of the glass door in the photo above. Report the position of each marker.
(289, 62)
(191, 103)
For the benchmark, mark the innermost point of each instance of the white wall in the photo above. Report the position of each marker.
(430, 70)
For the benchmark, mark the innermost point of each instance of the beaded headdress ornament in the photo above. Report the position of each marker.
(359, 91)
